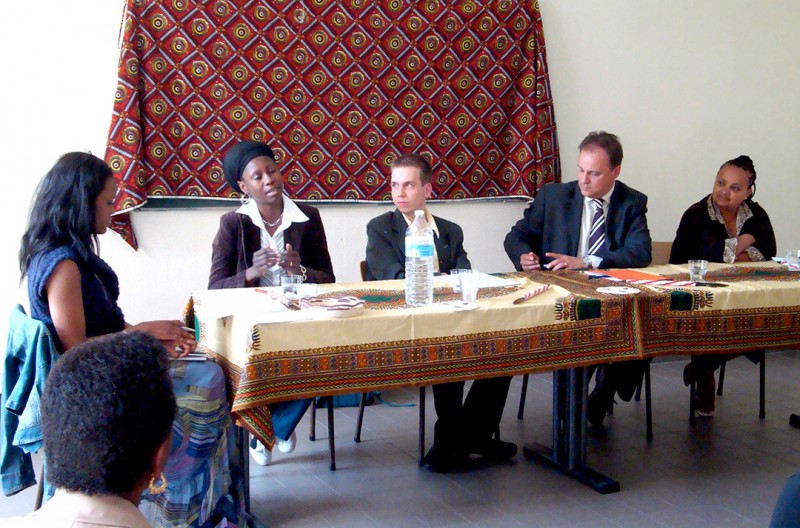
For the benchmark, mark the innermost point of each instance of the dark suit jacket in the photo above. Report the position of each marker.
(700, 237)
(386, 246)
(238, 238)
(552, 224)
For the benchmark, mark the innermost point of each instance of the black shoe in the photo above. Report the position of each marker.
(598, 404)
(495, 450)
(443, 461)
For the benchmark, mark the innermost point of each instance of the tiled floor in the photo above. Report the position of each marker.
(726, 471)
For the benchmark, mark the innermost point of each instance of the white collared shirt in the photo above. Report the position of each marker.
(586, 225)
(291, 214)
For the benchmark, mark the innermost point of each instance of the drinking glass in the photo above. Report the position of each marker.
(793, 259)
(469, 280)
(697, 270)
(289, 283)
(454, 280)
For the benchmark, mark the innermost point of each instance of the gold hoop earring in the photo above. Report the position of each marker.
(245, 199)
(155, 490)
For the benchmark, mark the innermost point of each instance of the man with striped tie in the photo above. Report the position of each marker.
(594, 222)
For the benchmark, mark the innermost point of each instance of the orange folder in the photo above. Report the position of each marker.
(631, 275)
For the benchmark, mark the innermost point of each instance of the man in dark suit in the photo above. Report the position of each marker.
(594, 222)
(462, 428)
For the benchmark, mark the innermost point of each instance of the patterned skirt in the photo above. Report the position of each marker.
(204, 473)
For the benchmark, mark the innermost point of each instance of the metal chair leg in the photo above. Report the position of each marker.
(360, 420)
(648, 404)
(421, 441)
(312, 428)
(761, 382)
(721, 378)
(522, 396)
(331, 434)
(691, 402)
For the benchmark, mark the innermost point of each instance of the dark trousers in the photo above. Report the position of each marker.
(463, 423)
(620, 378)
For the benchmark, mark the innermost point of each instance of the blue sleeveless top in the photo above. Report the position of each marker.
(99, 287)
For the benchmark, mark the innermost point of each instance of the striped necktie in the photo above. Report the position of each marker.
(597, 235)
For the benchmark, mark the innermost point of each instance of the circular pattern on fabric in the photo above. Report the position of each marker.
(132, 66)
(217, 133)
(358, 40)
(199, 27)
(199, 69)
(258, 134)
(218, 92)
(338, 19)
(316, 158)
(335, 138)
(159, 107)
(215, 175)
(130, 136)
(279, 75)
(260, 13)
(376, 21)
(339, 59)
(300, 56)
(316, 117)
(319, 37)
(158, 22)
(353, 158)
(197, 110)
(258, 94)
(177, 87)
(117, 163)
(177, 130)
(354, 118)
(278, 116)
(319, 79)
(196, 151)
(260, 53)
(238, 113)
(120, 94)
(240, 74)
(297, 137)
(298, 97)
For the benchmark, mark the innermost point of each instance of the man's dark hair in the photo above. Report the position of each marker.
(415, 161)
(608, 142)
(108, 406)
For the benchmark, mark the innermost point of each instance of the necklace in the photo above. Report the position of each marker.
(275, 223)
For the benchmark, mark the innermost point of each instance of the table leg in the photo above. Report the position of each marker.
(243, 440)
(568, 453)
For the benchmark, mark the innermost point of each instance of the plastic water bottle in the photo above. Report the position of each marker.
(419, 262)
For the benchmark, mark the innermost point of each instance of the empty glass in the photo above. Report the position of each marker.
(454, 279)
(289, 283)
(469, 280)
(697, 270)
(793, 259)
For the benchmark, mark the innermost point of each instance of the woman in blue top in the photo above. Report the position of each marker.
(74, 292)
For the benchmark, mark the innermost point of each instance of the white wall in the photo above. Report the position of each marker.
(686, 84)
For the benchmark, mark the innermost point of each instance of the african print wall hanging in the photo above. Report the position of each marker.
(338, 89)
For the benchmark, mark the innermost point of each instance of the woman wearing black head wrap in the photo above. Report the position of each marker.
(267, 237)
(725, 226)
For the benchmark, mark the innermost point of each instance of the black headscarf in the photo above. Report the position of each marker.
(239, 156)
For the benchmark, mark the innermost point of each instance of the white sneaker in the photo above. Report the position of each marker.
(260, 454)
(286, 446)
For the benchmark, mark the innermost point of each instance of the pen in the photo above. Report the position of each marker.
(532, 293)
